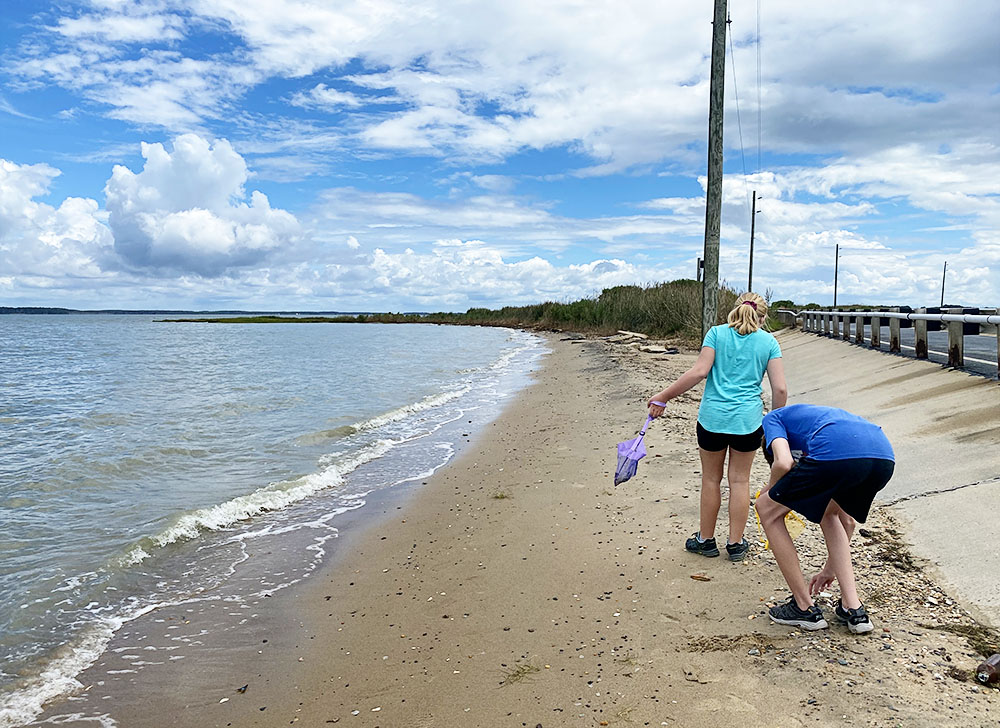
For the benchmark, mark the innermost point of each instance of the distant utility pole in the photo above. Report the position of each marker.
(713, 202)
(753, 223)
(944, 275)
(697, 274)
(836, 270)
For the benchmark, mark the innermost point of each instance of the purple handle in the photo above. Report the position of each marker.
(649, 418)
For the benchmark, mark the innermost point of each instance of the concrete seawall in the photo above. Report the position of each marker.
(944, 426)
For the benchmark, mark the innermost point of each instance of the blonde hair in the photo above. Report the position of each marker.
(749, 313)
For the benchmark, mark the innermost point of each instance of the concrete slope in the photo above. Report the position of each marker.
(944, 426)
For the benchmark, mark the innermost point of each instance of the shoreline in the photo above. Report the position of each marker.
(567, 601)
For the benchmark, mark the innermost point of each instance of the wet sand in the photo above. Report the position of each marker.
(520, 587)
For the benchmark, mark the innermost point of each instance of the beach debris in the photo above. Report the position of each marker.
(633, 334)
(243, 689)
(701, 577)
(988, 672)
(224, 700)
(691, 675)
(518, 672)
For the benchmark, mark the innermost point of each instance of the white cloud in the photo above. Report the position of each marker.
(184, 212)
(322, 97)
(122, 28)
(42, 244)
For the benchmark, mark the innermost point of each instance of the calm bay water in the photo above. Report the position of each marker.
(142, 463)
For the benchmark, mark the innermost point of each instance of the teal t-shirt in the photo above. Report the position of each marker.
(732, 403)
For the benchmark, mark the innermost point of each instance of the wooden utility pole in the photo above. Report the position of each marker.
(836, 270)
(753, 224)
(700, 266)
(713, 205)
(944, 274)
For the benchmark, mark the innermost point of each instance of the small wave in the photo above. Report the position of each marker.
(271, 498)
(58, 676)
(401, 413)
(318, 438)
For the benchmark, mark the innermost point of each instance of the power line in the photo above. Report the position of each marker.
(758, 90)
(739, 122)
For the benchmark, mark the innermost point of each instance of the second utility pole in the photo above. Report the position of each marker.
(753, 224)
(713, 203)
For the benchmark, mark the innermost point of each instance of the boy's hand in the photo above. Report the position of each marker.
(821, 581)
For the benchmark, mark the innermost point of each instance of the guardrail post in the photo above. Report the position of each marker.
(956, 344)
(894, 347)
(826, 325)
(836, 326)
(847, 327)
(859, 332)
(876, 332)
(920, 336)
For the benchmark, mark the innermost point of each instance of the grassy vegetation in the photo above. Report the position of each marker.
(658, 310)
(518, 673)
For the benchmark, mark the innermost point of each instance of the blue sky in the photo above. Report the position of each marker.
(382, 155)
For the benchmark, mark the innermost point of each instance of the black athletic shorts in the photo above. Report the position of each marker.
(852, 484)
(715, 441)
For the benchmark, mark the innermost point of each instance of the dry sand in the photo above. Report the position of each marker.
(519, 587)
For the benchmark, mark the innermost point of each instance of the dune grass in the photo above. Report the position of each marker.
(661, 310)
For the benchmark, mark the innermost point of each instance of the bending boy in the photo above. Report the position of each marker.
(826, 464)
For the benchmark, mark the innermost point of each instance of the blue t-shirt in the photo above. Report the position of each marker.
(732, 403)
(827, 433)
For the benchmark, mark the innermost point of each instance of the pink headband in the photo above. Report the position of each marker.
(749, 303)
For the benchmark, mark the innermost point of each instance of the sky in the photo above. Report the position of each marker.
(435, 155)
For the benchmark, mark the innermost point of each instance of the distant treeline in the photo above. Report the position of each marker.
(659, 310)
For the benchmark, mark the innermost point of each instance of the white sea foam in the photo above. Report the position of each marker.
(271, 498)
(401, 413)
(58, 676)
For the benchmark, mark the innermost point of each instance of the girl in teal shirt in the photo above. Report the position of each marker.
(733, 360)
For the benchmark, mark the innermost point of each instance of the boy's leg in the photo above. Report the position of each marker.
(739, 492)
(712, 463)
(838, 548)
(772, 518)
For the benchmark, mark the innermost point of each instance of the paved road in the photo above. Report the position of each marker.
(980, 351)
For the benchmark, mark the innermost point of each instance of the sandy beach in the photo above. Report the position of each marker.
(520, 587)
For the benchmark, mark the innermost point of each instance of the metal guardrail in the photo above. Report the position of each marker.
(958, 324)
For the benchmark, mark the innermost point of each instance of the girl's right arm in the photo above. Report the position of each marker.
(776, 378)
(698, 372)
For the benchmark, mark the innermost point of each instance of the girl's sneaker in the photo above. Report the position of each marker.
(790, 614)
(856, 619)
(738, 551)
(708, 547)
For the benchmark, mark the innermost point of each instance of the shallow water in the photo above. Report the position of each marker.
(143, 462)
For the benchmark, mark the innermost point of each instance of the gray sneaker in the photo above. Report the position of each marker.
(708, 547)
(738, 551)
(856, 619)
(790, 614)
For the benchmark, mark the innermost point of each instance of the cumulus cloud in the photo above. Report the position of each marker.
(471, 273)
(186, 211)
(40, 244)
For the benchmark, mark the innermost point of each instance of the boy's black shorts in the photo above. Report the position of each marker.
(852, 484)
(715, 441)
